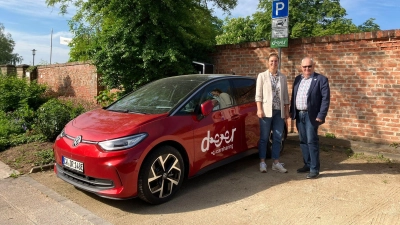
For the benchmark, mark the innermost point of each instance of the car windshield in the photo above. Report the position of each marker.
(157, 97)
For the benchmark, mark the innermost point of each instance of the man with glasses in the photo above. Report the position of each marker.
(309, 107)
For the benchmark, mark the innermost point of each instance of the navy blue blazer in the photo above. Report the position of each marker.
(318, 98)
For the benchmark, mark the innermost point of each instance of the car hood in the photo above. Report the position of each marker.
(109, 122)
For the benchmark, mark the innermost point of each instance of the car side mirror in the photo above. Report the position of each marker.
(207, 107)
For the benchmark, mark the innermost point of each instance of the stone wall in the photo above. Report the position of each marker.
(79, 80)
(363, 71)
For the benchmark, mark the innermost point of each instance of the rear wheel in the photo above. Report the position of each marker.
(161, 175)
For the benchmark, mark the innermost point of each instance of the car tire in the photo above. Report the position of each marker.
(161, 175)
(269, 145)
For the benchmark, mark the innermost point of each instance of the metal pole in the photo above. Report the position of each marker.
(51, 44)
(33, 55)
(280, 59)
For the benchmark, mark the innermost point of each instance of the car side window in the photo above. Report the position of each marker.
(245, 90)
(191, 106)
(220, 93)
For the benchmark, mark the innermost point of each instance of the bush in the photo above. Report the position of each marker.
(9, 126)
(76, 108)
(106, 97)
(35, 95)
(16, 92)
(18, 139)
(79, 103)
(44, 157)
(24, 115)
(4, 144)
(51, 118)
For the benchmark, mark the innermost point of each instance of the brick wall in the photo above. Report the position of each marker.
(363, 71)
(78, 80)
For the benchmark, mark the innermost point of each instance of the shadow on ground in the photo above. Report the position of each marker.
(242, 179)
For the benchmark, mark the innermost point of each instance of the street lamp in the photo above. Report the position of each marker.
(33, 54)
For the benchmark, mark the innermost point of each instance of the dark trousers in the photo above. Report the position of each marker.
(309, 141)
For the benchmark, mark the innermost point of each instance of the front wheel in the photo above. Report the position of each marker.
(161, 175)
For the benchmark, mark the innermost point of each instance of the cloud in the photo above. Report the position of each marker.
(33, 8)
(367, 7)
(25, 42)
(243, 9)
(385, 12)
(30, 23)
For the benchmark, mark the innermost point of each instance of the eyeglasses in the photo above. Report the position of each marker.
(309, 67)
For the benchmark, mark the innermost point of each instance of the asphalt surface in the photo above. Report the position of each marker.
(23, 200)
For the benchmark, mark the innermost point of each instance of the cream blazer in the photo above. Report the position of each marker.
(264, 93)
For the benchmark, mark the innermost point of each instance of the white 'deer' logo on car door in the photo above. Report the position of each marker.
(77, 140)
(217, 139)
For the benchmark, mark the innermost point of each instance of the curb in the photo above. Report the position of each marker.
(42, 168)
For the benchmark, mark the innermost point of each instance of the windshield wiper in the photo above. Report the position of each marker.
(131, 111)
(119, 110)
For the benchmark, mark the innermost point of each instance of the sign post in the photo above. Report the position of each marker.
(280, 25)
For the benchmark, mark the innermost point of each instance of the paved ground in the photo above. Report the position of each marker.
(25, 201)
(357, 190)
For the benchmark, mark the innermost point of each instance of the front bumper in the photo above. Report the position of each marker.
(107, 174)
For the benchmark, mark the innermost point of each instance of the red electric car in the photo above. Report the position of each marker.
(146, 143)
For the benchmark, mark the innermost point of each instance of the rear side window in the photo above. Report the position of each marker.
(245, 90)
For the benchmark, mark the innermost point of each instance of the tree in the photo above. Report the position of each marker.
(369, 25)
(132, 42)
(237, 30)
(307, 18)
(7, 47)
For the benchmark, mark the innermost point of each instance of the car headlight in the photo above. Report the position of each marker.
(62, 134)
(122, 143)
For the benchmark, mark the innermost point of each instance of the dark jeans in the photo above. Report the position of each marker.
(309, 141)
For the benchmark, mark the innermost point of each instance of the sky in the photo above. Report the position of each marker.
(31, 22)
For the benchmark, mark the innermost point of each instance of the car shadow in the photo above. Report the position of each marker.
(242, 179)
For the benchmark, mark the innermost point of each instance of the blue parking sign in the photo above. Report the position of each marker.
(280, 8)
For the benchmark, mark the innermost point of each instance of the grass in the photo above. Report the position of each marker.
(44, 157)
(394, 145)
(371, 158)
(349, 152)
(24, 157)
(330, 135)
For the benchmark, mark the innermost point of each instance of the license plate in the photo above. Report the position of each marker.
(72, 164)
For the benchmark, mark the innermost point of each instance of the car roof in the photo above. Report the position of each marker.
(205, 77)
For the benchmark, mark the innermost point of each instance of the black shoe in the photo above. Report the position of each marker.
(312, 175)
(303, 169)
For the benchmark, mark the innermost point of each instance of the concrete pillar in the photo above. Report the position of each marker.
(21, 71)
(7, 69)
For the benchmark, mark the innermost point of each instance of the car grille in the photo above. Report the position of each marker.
(79, 180)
